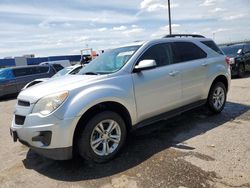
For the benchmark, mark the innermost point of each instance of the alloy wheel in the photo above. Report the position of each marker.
(218, 98)
(105, 137)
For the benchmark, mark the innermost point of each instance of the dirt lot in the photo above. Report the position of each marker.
(195, 149)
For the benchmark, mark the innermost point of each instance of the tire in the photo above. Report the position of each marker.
(96, 137)
(217, 97)
(241, 70)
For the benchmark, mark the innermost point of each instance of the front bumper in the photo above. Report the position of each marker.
(55, 153)
(48, 136)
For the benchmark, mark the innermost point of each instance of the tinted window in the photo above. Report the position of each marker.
(22, 71)
(159, 53)
(247, 48)
(43, 69)
(186, 51)
(57, 67)
(213, 46)
(39, 70)
(232, 50)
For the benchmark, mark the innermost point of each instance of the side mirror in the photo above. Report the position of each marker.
(145, 65)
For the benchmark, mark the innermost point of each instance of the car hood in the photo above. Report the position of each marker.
(64, 83)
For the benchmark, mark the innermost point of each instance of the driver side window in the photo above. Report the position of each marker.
(160, 53)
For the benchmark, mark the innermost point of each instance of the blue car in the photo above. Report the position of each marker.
(13, 79)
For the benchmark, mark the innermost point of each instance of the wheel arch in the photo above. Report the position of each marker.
(97, 108)
(221, 78)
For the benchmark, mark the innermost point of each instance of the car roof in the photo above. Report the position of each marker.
(168, 39)
(28, 66)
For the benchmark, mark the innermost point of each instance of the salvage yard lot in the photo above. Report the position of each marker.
(195, 149)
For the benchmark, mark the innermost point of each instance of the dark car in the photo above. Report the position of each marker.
(13, 79)
(239, 55)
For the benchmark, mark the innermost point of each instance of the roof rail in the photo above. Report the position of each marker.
(184, 35)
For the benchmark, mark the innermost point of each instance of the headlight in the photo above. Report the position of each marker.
(50, 103)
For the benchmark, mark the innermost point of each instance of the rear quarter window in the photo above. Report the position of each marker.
(212, 46)
(186, 51)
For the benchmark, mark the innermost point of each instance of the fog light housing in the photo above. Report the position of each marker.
(44, 137)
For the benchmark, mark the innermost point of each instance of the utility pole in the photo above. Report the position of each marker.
(169, 18)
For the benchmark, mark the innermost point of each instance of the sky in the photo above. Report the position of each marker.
(63, 27)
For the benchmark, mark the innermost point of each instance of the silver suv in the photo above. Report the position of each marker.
(127, 87)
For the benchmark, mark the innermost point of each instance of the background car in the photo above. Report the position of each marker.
(13, 79)
(239, 55)
(67, 70)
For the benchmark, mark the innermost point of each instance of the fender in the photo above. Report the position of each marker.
(213, 73)
(91, 96)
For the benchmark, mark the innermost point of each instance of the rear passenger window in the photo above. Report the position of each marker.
(159, 53)
(213, 46)
(40, 70)
(186, 51)
(22, 72)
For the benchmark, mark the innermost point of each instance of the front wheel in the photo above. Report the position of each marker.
(217, 97)
(103, 137)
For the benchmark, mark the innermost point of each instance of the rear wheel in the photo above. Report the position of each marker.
(217, 97)
(103, 137)
(241, 70)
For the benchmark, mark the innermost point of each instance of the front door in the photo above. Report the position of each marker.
(159, 89)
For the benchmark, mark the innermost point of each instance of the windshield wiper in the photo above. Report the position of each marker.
(91, 73)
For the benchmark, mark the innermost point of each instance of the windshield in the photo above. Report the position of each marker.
(62, 72)
(110, 61)
(232, 50)
(5, 74)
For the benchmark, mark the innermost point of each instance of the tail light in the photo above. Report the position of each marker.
(227, 60)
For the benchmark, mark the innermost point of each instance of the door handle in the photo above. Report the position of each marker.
(204, 64)
(173, 73)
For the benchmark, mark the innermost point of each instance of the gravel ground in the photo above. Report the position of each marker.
(195, 149)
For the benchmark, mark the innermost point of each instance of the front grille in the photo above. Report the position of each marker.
(23, 103)
(19, 120)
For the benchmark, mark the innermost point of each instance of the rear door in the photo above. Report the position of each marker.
(193, 70)
(246, 53)
(159, 89)
(40, 72)
(23, 76)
